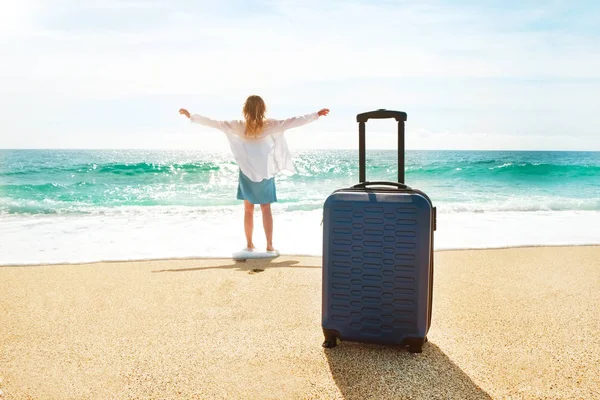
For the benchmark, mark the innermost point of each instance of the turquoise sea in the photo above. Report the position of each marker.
(72, 205)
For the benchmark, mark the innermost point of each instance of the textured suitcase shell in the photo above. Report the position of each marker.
(377, 267)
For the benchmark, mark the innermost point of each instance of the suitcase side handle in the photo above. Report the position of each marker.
(400, 117)
(364, 185)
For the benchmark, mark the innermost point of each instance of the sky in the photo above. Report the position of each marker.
(483, 75)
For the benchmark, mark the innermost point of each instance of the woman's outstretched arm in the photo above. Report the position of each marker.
(224, 126)
(296, 122)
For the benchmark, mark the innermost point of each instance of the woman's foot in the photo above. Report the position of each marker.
(249, 247)
(271, 249)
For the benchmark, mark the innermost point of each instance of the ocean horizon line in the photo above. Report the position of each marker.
(297, 149)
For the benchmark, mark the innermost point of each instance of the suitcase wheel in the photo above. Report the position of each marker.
(330, 338)
(415, 345)
(415, 349)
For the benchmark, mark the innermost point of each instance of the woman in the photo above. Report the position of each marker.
(260, 150)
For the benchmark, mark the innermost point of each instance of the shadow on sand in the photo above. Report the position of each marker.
(249, 266)
(364, 371)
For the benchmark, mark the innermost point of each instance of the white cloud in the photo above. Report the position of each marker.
(17, 17)
(430, 59)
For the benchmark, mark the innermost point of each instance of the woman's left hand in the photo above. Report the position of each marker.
(323, 111)
(185, 112)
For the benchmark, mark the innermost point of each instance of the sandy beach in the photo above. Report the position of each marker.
(519, 323)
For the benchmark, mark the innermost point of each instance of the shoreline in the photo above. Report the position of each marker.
(223, 258)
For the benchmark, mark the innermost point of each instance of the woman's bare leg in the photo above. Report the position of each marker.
(248, 222)
(268, 224)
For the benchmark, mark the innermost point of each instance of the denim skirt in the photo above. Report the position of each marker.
(262, 192)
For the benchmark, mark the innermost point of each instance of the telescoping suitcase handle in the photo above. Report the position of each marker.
(400, 117)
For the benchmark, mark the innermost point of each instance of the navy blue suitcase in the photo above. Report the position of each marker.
(378, 257)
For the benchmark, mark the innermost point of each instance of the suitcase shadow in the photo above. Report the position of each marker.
(364, 371)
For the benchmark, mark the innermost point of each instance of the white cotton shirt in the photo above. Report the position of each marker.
(262, 157)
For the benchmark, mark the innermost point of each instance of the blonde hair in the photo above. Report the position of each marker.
(254, 113)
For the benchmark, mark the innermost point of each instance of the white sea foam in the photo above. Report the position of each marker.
(129, 233)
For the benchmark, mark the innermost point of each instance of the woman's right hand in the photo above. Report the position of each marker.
(323, 111)
(185, 112)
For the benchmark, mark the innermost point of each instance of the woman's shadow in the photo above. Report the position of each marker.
(249, 266)
(363, 371)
